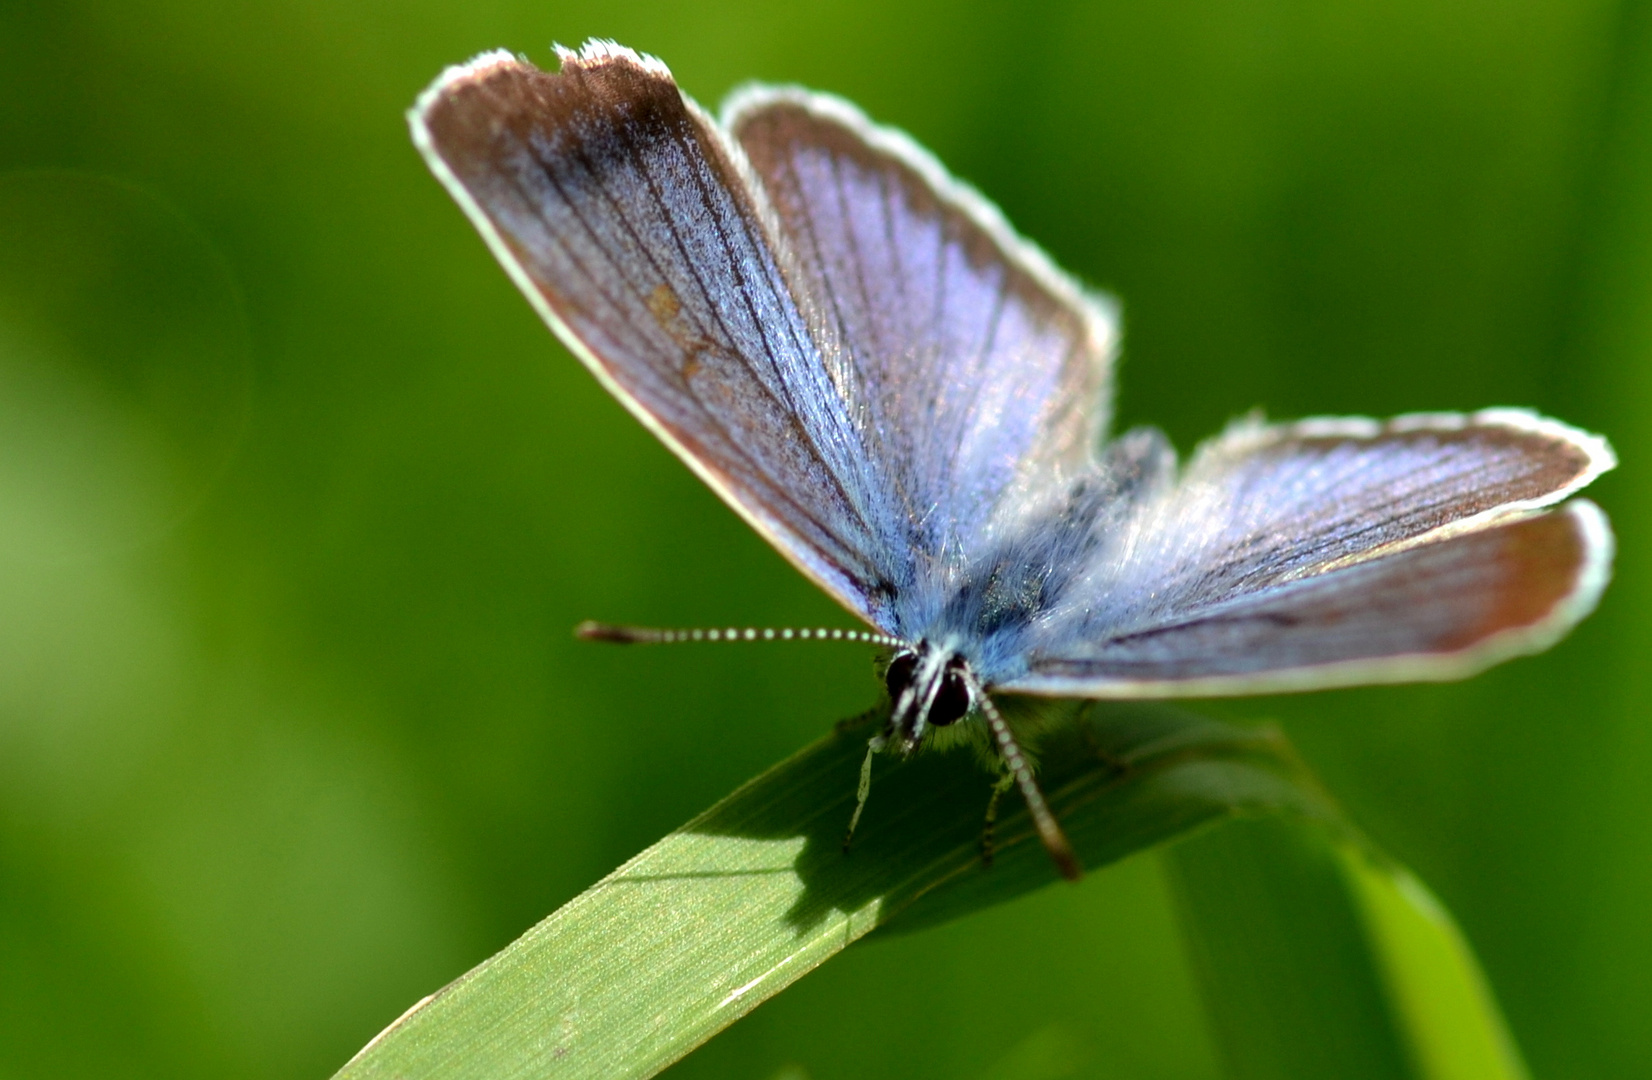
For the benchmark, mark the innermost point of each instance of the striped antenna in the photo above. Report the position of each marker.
(648, 635)
(1016, 764)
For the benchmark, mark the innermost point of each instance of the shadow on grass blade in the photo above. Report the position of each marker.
(1316, 958)
(730, 909)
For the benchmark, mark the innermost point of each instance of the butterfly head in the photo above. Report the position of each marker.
(929, 685)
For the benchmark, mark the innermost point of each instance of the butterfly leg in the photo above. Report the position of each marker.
(1005, 781)
(1016, 764)
(873, 745)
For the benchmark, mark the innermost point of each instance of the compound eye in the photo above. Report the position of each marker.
(951, 700)
(899, 675)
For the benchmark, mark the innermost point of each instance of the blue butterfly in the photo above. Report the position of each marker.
(909, 401)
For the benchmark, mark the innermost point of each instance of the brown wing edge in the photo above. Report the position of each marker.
(1564, 563)
(593, 53)
(1099, 311)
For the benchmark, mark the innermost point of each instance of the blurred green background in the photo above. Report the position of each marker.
(298, 504)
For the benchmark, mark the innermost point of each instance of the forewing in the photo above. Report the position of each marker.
(982, 367)
(1337, 552)
(619, 209)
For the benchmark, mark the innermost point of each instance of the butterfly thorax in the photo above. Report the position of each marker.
(967, 627)
(989, 587)
(977, 615)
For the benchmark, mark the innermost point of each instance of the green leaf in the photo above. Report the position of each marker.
(1317, 958)
(1439, 997)
(730, 909)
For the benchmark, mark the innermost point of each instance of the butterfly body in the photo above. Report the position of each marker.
(909, 401)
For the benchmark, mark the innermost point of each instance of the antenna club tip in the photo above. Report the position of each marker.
(1067, 862)
(590, 630)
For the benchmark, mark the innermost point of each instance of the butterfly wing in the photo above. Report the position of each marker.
(858, 355)
(866, 407)
(624, 216)
(1331, 553)
(982, 368)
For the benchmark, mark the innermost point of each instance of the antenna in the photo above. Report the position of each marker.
(648, 635)
(1015, 763)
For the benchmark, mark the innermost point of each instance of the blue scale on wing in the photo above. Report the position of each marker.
(980, 372)
(620, 206)
(1285, 548)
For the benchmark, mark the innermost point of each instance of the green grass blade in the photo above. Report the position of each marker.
(1438, 995)
(720, 915)
(1315, 959)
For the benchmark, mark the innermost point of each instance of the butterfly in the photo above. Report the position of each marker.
(910, 402)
